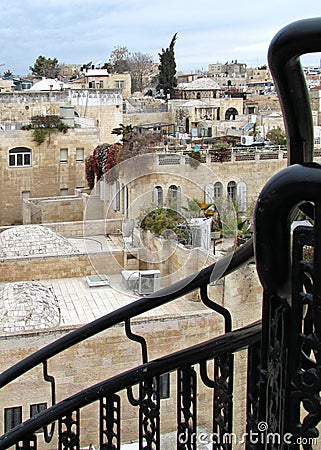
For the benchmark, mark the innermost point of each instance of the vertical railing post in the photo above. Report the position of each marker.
(291, 342)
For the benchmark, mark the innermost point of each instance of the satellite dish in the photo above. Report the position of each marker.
(129, 228)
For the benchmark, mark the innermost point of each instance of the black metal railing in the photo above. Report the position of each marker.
(283, 373)
(198, 354)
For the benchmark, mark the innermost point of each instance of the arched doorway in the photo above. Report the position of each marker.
(230, 114)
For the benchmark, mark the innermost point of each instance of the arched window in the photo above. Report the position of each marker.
(241, 196)
(231, 190)
(209, 193)
(174, 197)
(218, 188)
(230, 114)
(158, 196)
(20, 157)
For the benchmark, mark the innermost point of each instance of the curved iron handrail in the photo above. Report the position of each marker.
(292, 41)
(285, 191)
(230, 342)
(224, 267)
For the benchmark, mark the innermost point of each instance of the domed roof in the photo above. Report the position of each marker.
(48, 84)
(27, 305)
(33, 240)
(200, 84)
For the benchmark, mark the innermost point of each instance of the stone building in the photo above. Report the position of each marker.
(56, 166)
(50, 296)
(201, 88)
(96, 78)
(228, 69)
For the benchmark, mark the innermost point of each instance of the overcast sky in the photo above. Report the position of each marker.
(208, 31)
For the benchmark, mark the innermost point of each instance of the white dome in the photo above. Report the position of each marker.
(28, 305)
(33, 240)
(206, 84)
(48, 84)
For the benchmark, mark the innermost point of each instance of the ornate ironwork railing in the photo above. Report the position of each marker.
(146, 375)
(283, 402)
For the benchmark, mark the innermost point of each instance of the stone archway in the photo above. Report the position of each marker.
(231, 113)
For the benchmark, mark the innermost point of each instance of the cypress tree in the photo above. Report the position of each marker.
(167, 69)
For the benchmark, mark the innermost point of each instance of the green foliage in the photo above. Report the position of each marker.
(277, 136)
(132, 142)
(45, 67)
(167, 69)
(254, 131)
(126, 131)
(42, 126)
(159, 220)
(194, 207)
(48, 121)
(7, 74)
(39, 135)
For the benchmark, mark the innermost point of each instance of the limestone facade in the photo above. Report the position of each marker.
(53, 170)
(111, 352)
(57, 166)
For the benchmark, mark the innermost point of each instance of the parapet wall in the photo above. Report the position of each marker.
(62, 266)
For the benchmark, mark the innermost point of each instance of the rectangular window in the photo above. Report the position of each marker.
(35, 409)
(101, 84)
(26, 159)
(64, 155)
(12, 417)
(79, 155)
(164, 385)
(119, 84)
(63, 192)
(12, 160)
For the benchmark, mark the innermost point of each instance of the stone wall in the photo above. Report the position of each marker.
(89, 228)
(65, 266)
(53, 209)
(47, 176)
(111, 352)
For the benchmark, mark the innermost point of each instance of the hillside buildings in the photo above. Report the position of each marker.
(55, 233)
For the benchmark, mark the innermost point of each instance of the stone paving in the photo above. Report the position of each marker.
(80, 304)
(71, 302)
(66, 301)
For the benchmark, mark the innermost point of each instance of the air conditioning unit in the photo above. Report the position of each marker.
(149, 281)
(247, 140)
